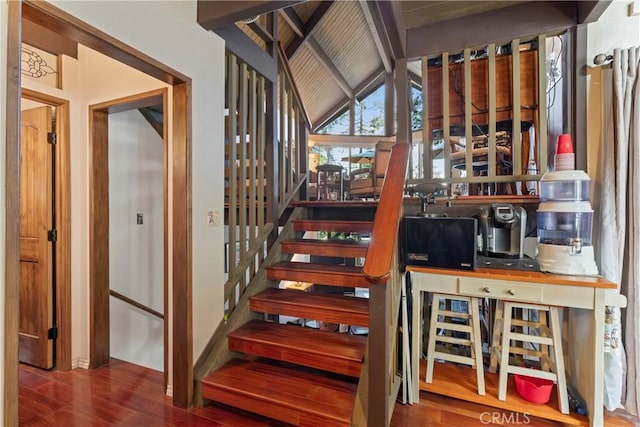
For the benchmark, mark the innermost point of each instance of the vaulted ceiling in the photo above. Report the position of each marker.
(338, 50)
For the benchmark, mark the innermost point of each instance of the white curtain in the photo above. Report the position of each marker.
(619, 221)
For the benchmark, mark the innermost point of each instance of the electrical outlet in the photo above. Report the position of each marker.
(139, 219)
(213, 218)
(634, 8)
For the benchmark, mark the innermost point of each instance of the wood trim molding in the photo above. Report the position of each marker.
(12, 217)
(182, 260)
(45, 14)
(99, 351)
(63, 225)
(45, 39)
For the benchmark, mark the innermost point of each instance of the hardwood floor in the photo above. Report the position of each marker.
(122, 394)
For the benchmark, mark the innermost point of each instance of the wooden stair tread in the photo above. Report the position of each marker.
(338, 226)
(307, 305)
(295, 396)
(343, 248)
(324, 274)
(329, 351)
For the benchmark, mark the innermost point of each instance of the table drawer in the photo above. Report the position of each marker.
(500, 289)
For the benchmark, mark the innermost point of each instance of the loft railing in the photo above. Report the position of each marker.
(467, 96)
(379, 381)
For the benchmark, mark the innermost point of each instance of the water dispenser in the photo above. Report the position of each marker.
(565, 222)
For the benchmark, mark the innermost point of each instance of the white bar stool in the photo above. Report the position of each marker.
(536, 333)
(442, 319)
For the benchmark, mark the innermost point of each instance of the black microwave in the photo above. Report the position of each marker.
(443, 242)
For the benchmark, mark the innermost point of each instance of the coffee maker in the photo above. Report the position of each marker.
(502, 230)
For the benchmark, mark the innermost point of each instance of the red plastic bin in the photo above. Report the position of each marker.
(535, 390)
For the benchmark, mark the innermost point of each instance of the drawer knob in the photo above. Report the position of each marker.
(511, 292)
(487, 289)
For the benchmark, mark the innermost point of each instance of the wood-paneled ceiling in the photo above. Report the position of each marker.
(337, 49)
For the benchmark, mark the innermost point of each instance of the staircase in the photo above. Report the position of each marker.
(300, 375)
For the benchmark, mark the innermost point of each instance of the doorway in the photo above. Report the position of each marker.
(179, 174)
(101, 183)
(53, 346)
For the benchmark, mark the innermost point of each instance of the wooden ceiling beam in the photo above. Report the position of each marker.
(364, 87)
(327, 63)
(394, 25)
(215, 14)
(375, 28)
(241, 45)
(591, 11)
(294, 21)
(309, 27)
(261, 31)
(496, 26)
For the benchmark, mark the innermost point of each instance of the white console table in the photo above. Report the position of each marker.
(585, 298)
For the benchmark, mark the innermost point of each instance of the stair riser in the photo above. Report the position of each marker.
(252, 404)
(318, 361)
(350, 281)
(324, 250)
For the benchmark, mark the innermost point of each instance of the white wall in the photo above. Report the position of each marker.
(136, 251)
(614, 29)
(3, 117)
(168, 32)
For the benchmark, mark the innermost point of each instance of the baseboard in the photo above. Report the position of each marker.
(80, 363)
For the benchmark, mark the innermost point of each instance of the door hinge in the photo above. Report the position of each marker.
(52, 235)
(52, 138)
(52, 333)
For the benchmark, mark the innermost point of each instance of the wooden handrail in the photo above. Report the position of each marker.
(135, 303)
(377, 265)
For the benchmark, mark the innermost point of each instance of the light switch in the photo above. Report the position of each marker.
(213, 218)
(139, 219)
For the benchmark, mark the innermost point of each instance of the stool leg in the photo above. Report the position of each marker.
(557, 350)
(542, 318)
(495, 337)
(476, 345)
(433, 331)
(504, 359)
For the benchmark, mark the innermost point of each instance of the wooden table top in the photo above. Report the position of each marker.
(521, 276)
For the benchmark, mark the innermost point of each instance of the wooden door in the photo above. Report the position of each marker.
(36, 251)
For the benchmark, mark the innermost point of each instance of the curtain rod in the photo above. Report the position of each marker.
(602, 60)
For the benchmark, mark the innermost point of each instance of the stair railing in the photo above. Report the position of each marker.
(269, 166)
(266, 130)
(379, 382)
(293, 131)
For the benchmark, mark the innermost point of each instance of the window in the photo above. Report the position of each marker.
(369, 116)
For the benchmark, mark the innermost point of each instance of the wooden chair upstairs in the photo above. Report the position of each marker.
(367, 182)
